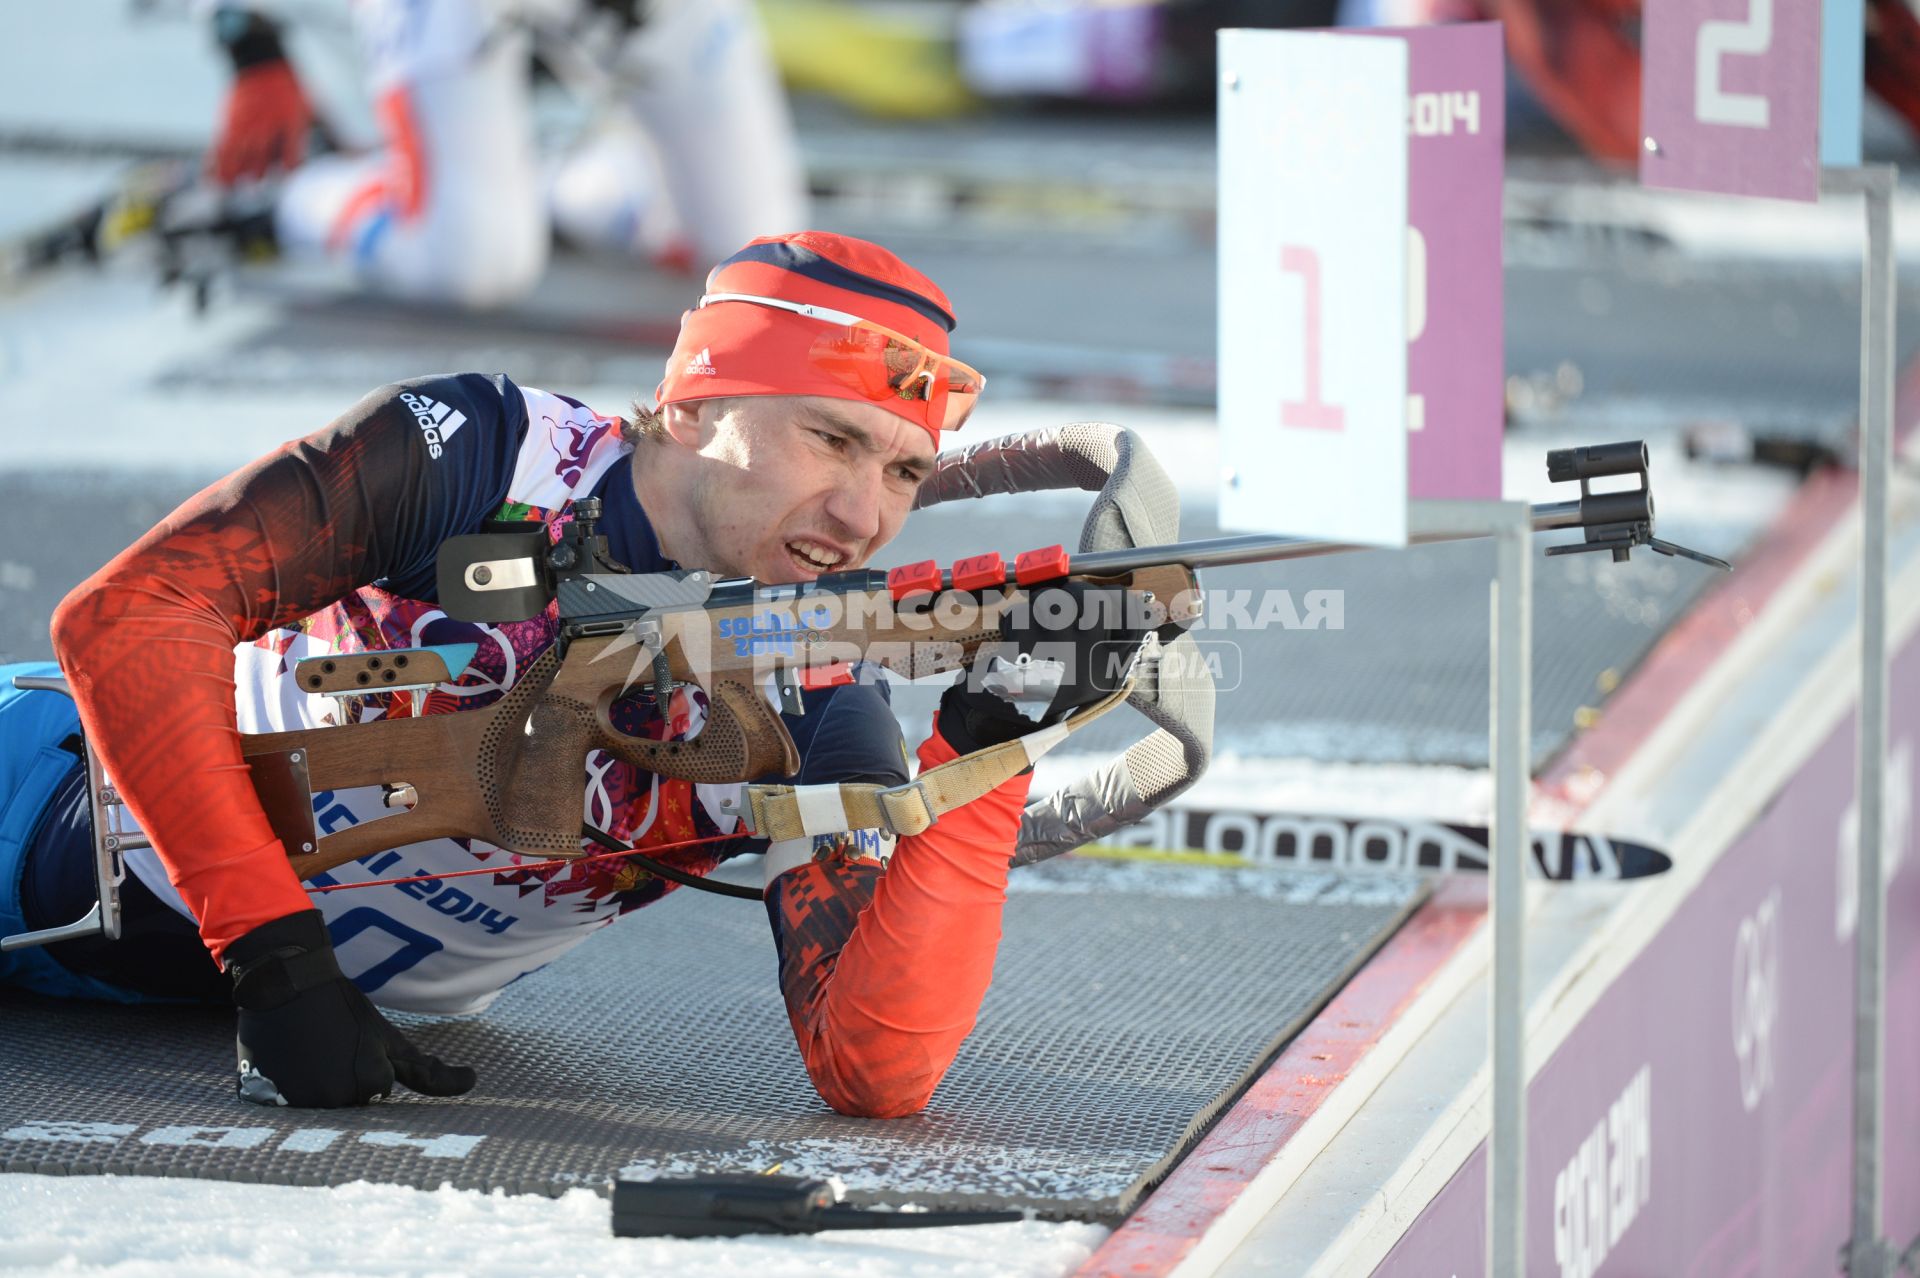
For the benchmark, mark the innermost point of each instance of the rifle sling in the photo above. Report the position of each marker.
(792, 812)
(906, 809)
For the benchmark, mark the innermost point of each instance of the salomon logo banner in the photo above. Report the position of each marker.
(436, 421)
(1378, 842)
(292, 1138)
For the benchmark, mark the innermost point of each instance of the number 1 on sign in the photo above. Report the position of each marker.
(1310, 413)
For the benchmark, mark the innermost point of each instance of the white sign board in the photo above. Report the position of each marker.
(1313, 285)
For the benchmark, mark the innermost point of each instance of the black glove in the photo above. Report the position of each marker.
(249, 37)
(268, 119)
(1076, 632)
(308, 1036)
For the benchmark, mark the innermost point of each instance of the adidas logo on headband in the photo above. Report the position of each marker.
(701, 363)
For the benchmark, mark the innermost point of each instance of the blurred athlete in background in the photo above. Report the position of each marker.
(696, 156)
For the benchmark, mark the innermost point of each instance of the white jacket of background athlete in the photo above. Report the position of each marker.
(691, 149)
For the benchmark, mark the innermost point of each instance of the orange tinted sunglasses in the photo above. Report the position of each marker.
(879, 363)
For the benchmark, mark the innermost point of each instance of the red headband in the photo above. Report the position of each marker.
(739, 348)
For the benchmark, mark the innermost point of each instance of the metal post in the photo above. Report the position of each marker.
(1512, 723)
(1867, 1253)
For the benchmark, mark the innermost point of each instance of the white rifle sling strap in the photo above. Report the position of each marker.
(793, 812)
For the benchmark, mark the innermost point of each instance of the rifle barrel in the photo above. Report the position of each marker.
(1213, 552)
(1220, 552)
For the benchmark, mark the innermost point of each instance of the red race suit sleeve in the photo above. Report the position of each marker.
(884, 967)
(147, 643)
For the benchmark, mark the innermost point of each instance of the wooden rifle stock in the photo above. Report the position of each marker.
(510, 773)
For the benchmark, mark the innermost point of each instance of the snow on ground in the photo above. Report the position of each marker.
(144, 1227)
(96, 410)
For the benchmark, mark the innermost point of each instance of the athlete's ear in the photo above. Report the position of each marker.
(687, 424)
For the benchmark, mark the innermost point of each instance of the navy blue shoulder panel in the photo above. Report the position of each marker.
(629, 533)
(470, 427)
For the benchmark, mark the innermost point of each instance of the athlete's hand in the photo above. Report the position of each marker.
(265, 122)
(1068, 646)
(264, 125)
(308, 1037)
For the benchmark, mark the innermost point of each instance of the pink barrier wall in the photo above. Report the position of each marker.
(1698, 1121)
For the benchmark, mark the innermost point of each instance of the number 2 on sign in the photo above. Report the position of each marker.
(1711, 103)
(1311, 413)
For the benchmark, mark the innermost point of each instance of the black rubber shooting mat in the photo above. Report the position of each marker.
(1130, 1003)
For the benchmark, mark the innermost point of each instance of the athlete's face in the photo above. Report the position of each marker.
(789, 487)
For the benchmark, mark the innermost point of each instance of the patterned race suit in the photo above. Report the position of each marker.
(328, 545)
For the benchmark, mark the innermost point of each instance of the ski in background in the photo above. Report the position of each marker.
(128, 208)
(1396, 844)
